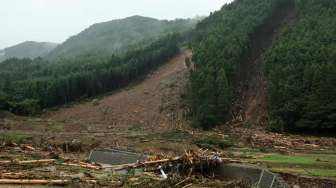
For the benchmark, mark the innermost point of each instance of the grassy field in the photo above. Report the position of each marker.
(322, 165)
(314, 164)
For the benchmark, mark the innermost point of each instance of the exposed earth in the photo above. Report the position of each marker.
(152, 103)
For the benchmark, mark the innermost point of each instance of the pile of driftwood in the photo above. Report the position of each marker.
(188, 159)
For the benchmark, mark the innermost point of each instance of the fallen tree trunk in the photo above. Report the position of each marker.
(229, 160)
(82, 165)
(28, 162)
(48, 161)
(33, 182)
(147, 163)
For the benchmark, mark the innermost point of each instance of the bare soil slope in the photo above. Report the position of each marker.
(152, 104)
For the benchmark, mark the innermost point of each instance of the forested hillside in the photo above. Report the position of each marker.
(301, 70)
(2, 55)
(103, 39)
(27, 49)
(221, 42)
(27, 86)
(287, 47)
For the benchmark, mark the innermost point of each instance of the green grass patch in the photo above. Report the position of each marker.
(136, 128)
(213, 141)
(322, 165)
(289, 159)
(300, 158)
(135, 131)
(175, 135)
(13, 137)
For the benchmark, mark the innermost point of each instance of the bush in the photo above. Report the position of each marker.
(13, 138)
(27, 107)
(175, 135)
(211, 141)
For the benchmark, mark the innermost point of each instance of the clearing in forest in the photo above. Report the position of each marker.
(152, 103)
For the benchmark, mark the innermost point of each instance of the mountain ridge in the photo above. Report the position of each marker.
(118, 35)
(27, 49)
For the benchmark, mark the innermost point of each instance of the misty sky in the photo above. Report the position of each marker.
(56, 20)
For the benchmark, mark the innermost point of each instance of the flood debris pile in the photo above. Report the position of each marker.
(28, 165)
(190, 169)
(189, 160)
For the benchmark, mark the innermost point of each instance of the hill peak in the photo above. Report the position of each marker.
(140, 17)
(29, 43)
(117, 35)
(27, 49)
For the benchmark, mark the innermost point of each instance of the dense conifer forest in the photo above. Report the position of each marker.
(301, 70)
(219, 45)
(28, 86)
(300, 67)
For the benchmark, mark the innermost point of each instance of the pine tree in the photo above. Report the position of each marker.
(223, 93)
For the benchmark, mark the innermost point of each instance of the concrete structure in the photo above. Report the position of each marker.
(258, 177)
(115, 157)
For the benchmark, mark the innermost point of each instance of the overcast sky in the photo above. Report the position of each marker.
(56, 20)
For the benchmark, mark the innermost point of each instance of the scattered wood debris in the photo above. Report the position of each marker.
(191, 159)
(33, 181)
(43, 171)
(281, 142)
